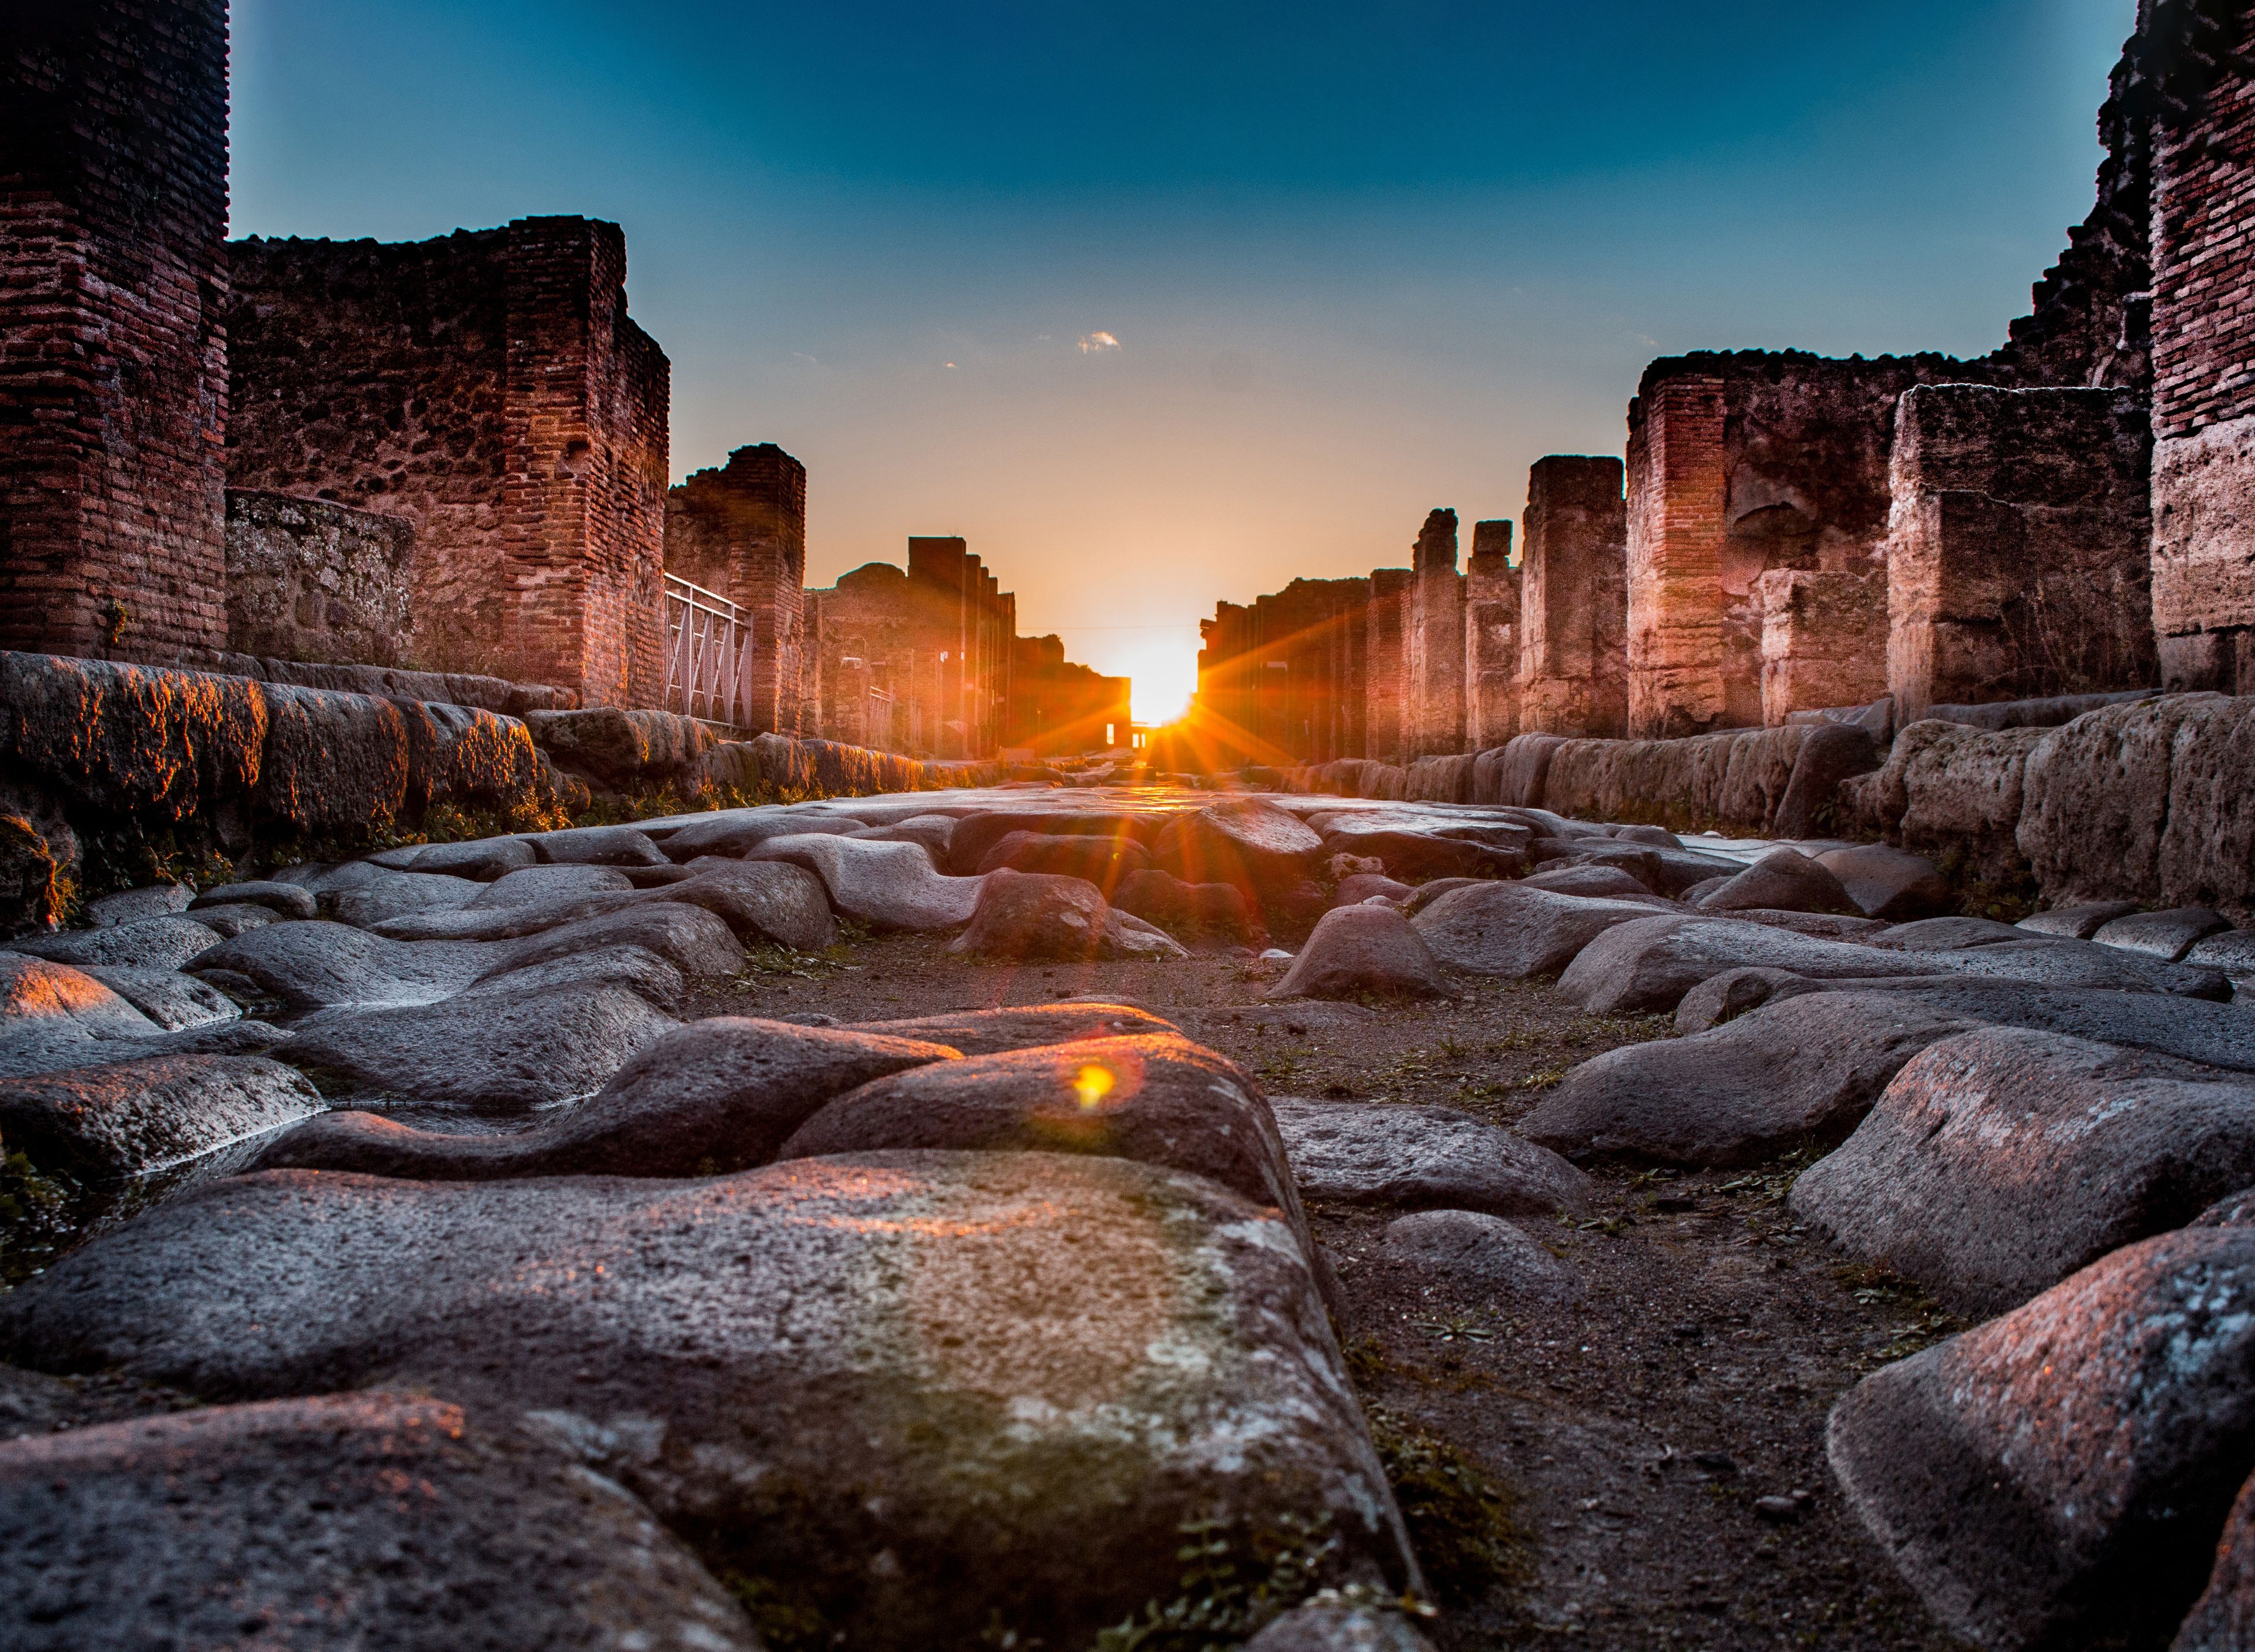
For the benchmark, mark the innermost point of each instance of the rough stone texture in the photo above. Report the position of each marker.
(308, 579)
(345, 1520)
(1249, 842)
(1949, 793)
(1650, 963)
(1782, 880)
(1824, 638)
(113, 384)
(741, 531)
(1491, 639)
(1677, 503)
(984, 1365)
(151, 943)
(1359, 949)
(718, 1096)
(985, 1031)
(1422, 1158)
(892, 886)
(2164, 935)
(1803, 1071)
(2002, 1160)
(1478, 1256)
(1732, 781)
(1024, 915)
(309, 966)
(488, 388)
(1511, 929)
(97, 1123)
(1322, 1626)
(287, 900)
(1104, 861)
(488, 1053)
(2077, 923)
(2222, 1619)
(2017, 559)
(1183, 909)
(173, 1001)
(2057, 1476)
(2145, 801)
(1887, 883)
(1573, 654)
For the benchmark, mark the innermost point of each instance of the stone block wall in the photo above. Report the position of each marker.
(1491, 639)
(1385, 670)
(2202, 93)
(2018, 557)
(314, 581)
(1574, 598)
(113, 341)
(741, 531)
(1433, 644)
(1823, 639)
(490, 388)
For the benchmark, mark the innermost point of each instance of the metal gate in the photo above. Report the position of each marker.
(708, 655)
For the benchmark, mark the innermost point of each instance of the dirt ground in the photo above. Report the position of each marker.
(1649, 1460)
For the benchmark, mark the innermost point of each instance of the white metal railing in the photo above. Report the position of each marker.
(708, 655)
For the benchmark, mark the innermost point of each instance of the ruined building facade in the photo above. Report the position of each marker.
(740, 531)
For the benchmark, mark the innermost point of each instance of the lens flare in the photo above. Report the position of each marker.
(1093, 1085)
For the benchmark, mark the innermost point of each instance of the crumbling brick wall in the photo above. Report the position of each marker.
(2019, 558)
(1491, 639)
(113, 343)
(1281, 679)
(741, 531)
(1388, 727)
(309, 580)
(2198, 80)
(1574, 598)
(490, 388)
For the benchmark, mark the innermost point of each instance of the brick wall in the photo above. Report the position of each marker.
(1573, 664)
(113, 345)
(2200, 85)
(2019, 561)
(740, 530)
(1386, 669)
(490, 388)
(1677, 485)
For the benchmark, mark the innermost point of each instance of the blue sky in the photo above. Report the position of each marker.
(1166, 303)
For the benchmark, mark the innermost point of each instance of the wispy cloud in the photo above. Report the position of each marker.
(1096, 343)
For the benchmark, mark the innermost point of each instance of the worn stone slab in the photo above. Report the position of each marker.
(483, 860)
(2167, 935)
(1885, 882)
(1510, 929)
(890, 885)
(147, 943)
(1183, 909)
(1422, 1157)
(151, 900)
(395, 894)
(856, 1382)
(1790, 1073)
(2001, 1160)
(340, 1522)
(1596, 883)
(719, 1095)
(231, 920)
(1782, 879)
(38, 993)
(128, 1118)
(2058, 1476)
(1360, 950)
(284, 900)
(1028, 1026)
(2233, 952)
(2077, 923)
(1023, 916)
(527, 884)
(2222, 1619)
(596, 846)
(173, 1001)
(1248, 842)
(1470, 1252)
(1649, 964)
(497, 1053)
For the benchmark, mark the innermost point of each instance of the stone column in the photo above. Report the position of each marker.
(1437, 642)
(1676, 501)
(1492, 591)
(1573, 662)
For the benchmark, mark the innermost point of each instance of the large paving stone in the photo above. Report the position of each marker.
(910, 1396)
(1339, 1626)
(935, 832)
(2233, 952)
(596, 846)
(890, 885)
(2058, 1476)
(2077, 923)
(2001, 1160)
(310, 966)
(483, 860)
(146, 943)
(1157, 1098)
(638, 969)
(1363, 949)
(130, 906)
(1185, 910)
(1422, 1157)
(335, 1522)
(1790, 1073)
(764, 901)
(1103, 861)
(1510, 929)
(1649, 964)
(1889, 883)
(230, 920)
(1248, 842)
(284, 900)
(2222, 1619)
(1780, 881)
(174, 1001)
(737, 831)
(1474, 1253)
(1420, 855)
(1023, 916)
(2167, 935)
(1596, 883)
(719, 1095)
(2086, 964)
(1948, 934)
(497, 1053)
(529, 885)
(123, 1118)
(987, 1032)
(395, 894)
(38, 993)
(977, 834)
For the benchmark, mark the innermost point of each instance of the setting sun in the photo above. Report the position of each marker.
(1165, 673)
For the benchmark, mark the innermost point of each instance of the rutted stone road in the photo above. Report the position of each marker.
(935, 1220)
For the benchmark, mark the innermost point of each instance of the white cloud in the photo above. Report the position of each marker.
(951, 367)
(1096, 343)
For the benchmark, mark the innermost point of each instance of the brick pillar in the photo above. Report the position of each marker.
(1491, 639)
(1436, 644)
(1386, 676)
(1573, 653)
(2203, 332)
(113, 347)
(741, 531)
(585, 432)
(1676, 492)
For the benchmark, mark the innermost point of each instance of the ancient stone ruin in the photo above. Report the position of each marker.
(1679, 1079)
